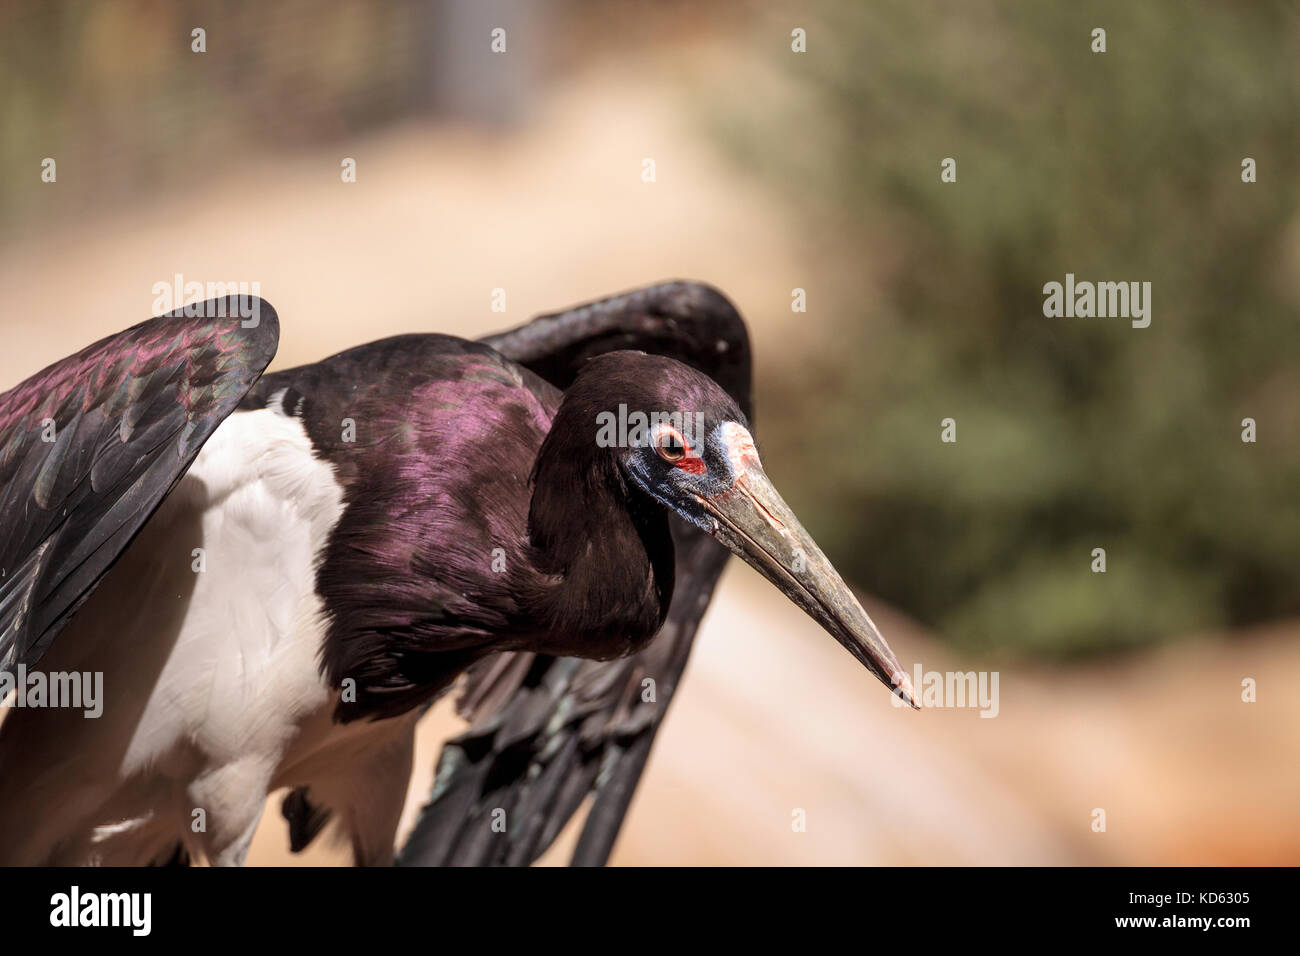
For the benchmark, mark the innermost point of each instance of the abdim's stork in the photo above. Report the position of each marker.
(276, 574)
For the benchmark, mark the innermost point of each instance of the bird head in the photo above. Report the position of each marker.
(681, 440)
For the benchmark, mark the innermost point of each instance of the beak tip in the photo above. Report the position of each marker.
(903, 688)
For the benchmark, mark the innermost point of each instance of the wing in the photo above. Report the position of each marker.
(548, 732)
(91, 445)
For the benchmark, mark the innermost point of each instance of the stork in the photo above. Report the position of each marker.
(277, 574)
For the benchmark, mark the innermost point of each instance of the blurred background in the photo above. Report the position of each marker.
(778, 170)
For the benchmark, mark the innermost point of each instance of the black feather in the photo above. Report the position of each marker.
(129, 414)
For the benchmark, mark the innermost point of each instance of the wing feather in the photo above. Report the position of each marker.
(92, 444)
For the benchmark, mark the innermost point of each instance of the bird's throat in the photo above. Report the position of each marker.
(607, 552)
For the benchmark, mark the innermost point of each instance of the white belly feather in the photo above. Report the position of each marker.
(208, 632)
(244, 666)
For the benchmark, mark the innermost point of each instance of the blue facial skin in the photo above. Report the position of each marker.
(677, 488)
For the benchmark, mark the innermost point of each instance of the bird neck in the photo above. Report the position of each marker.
(605, 550)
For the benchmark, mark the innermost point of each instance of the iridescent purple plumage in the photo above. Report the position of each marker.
(90, 445)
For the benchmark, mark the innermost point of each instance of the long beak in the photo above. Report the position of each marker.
(757, 525)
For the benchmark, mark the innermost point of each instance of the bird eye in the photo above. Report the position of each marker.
(670, 445)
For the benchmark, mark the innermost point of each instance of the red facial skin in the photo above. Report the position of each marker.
(691, 464)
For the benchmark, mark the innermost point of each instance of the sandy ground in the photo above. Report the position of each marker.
(773, 717)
